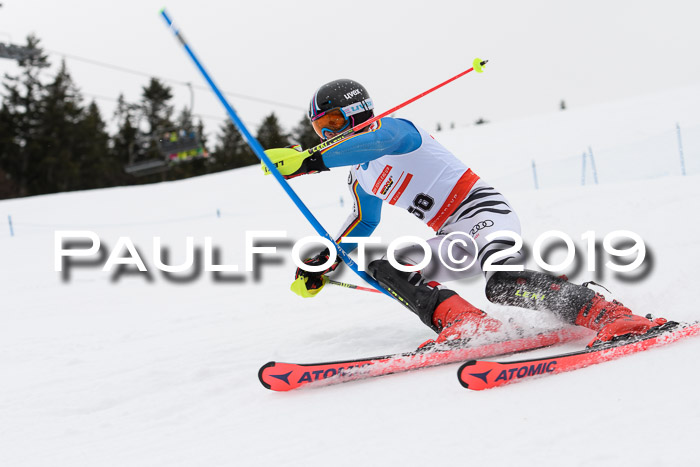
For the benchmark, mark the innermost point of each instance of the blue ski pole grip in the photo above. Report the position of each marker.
(260, 153)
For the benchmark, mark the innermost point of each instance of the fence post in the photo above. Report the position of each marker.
(680, 148)
(9, 221)
(595, 172)
(534, 174)
(583, 170)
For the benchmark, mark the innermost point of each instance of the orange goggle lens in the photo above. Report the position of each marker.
(331, 121)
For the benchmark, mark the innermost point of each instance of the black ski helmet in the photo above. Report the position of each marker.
(349, 96)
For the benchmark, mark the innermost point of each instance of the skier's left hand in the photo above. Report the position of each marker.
(291, 162)
(308, 284)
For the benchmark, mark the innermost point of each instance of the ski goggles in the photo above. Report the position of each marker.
(331, 122)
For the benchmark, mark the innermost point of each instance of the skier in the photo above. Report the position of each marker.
(396, 162)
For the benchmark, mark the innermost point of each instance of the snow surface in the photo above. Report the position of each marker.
(147, 371)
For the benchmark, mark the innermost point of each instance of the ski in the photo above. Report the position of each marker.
(278, 376)
(481, 374)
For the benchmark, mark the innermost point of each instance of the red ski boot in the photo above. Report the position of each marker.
(612, 320)
(457, 319)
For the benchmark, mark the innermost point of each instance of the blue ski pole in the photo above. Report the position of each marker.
(260, 153)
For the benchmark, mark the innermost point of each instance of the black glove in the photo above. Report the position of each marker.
(315, 280)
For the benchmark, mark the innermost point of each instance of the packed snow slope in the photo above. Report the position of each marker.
(153, 369)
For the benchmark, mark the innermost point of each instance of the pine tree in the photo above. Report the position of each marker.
(20, 154)
(60, 116)
(157, 111)
(270, 133)
(9, 149)
(8, 146)
(124, 142)
(231, 151)
(99, 167)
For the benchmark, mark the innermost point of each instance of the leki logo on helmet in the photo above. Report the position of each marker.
(352, 93)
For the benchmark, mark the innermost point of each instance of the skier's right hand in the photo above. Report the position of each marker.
(291, 162)
(308, 284)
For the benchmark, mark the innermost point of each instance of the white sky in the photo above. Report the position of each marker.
(540, 52)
